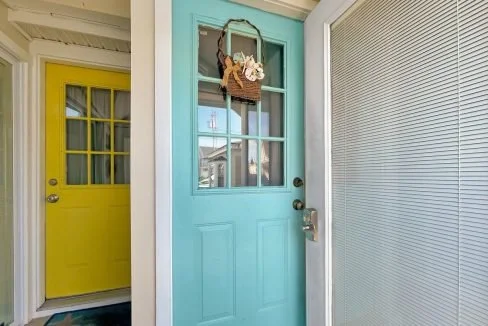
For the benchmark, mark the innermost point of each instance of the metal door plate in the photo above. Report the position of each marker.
(310, 224)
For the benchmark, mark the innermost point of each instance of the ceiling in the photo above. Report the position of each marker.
(105, 24)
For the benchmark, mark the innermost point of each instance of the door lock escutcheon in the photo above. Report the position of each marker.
(310, 224)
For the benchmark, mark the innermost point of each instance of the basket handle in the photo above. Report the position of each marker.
(220, 52)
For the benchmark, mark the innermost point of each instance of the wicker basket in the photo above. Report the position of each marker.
(245, 90)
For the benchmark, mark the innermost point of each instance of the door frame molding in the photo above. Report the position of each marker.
(42, 51)
(163, 40)
(318, 176)
(18, 58)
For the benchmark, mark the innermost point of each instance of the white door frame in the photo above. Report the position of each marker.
(318, 188)
(18, 58)
(34, 153)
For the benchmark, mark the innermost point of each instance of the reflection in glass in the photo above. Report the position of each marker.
(100, 169)
(274, 65)
(207, 60)
(122, 169)
(76, 135)
(122, 137)
(212, 112)
(100, 136)
(272, 114)
(76, 101)
(244, 163)
(100, 103)
(245, 45)
(272, 165)
(212, 156)
(122, 105)
(76, 169)
(243, 119)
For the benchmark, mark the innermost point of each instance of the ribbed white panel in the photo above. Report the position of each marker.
(395, 147)
(473, 74)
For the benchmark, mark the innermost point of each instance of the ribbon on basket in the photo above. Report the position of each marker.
(233, 69)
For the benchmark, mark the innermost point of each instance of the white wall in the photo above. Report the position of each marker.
(142, 164)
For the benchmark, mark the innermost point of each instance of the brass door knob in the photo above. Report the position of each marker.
(52, 198)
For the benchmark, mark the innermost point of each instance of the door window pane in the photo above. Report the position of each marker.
(76, 101)
(232, 121)
(243, 119)
(122, 105)
(244, 163)
(76, 169)
(76, 135)
(274, 69)
(122, 137)
(272, 119)
(122, 169)
(246, 45)
(212, 155)
(207, 49)
(272, 165)
(212, 109)
(100, 136)
(100, 103)
(100, 170)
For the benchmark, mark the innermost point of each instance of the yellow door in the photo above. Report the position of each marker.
(87, 180)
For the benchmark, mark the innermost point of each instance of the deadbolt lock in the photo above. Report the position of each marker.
(297, 182)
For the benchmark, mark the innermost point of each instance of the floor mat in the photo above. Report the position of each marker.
(114, 315)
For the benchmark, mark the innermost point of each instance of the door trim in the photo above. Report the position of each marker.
(42, 52)
(18, 58)
(163, 161)
(318, 122)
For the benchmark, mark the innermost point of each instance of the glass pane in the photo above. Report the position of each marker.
(272, 115)
(76, 101)
(76, 169)
(100, 169)
(243, 119)
(212, 112)
(100, 138)
(6, 196)
(272, 165)
(244, 163)
(246, 45)
(100, 101)
(122, 137)
(76, 135)
(122, 169)
(122, 105)
(212, 155)
(207, 51)
(274, 69)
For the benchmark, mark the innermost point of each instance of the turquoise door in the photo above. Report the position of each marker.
(238, 247)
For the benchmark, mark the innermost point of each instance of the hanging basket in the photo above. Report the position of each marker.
(234, 82)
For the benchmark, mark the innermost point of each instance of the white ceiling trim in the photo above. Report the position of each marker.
(296, 9)
(72, 24)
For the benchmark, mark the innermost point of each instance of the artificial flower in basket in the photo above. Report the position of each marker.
(241, 74)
